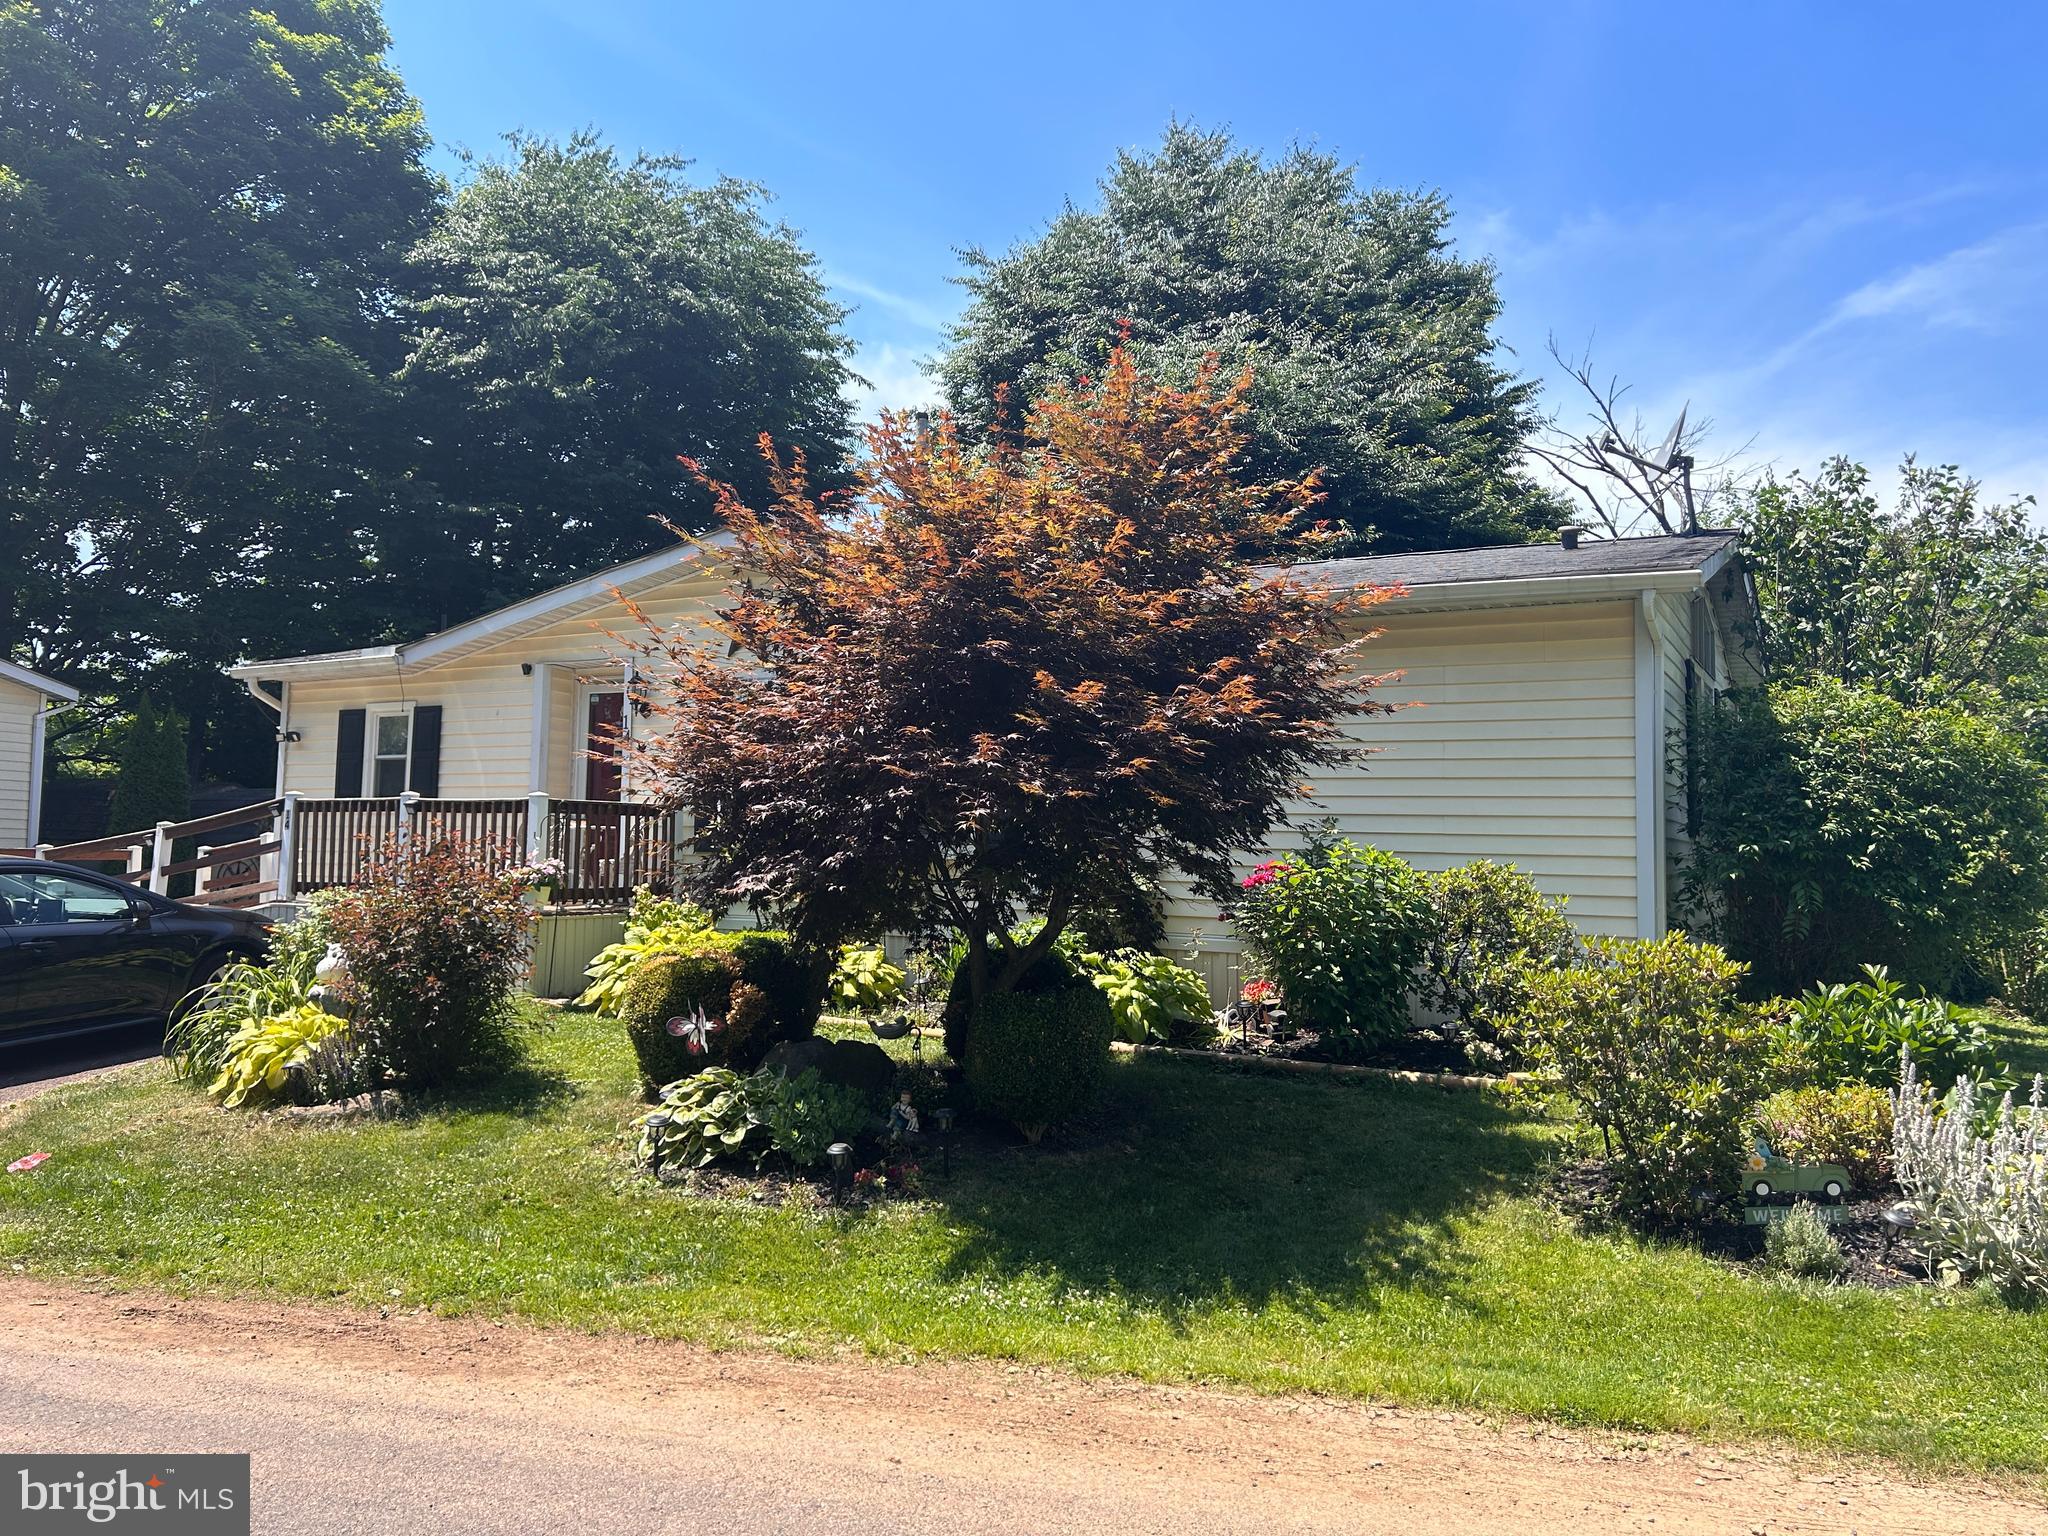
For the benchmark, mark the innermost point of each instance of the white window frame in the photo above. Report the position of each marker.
(581, 746)
(372, 713)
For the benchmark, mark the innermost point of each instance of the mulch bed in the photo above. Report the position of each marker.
(1584, 1191)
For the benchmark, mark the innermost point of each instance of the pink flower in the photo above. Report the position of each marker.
(1265, 874)
(24, 1164)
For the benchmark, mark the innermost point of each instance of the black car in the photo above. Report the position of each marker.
(81, 951)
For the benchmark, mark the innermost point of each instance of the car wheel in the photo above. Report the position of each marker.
(1761, 1189)
(206, 975)
(1832, 1189)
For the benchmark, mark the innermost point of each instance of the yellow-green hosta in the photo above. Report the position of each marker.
(259, 1060)
(655, 926)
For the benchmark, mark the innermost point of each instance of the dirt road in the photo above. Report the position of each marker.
(361, 1423)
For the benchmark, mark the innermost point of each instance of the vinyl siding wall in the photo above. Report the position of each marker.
(487, 702)
(18, 709)
(1518, 746)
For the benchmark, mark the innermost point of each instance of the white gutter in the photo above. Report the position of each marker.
(1649, 702)
(1528, 590)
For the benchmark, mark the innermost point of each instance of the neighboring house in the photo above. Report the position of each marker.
(1551, 729)
(27, 700)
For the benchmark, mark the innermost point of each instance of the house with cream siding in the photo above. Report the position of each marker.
(1546, 691)
(27, 700)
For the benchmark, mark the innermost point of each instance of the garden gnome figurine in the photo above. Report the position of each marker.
(902, 1118)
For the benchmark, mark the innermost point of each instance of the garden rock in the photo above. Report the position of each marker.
(848, 1063)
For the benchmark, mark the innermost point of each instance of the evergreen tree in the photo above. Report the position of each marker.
(151, 782)
(1370, 338)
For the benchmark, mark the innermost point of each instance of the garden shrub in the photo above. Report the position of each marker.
(1149, 996)
(1802, 1246)
(719, 1113)
(1837, 826)
(1849, 1124)
(263, 1061)
(1051, 973)
(1854, 1031)
(1340, 927)
(1036, 1059)
(437, 943)
(863, 981)
(748, 985)
(1490, 929)
(1649, 1041)
(1981, 1194)
(655, 925)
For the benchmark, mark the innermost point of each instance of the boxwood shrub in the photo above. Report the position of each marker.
(1037, 1058)
(751, 984)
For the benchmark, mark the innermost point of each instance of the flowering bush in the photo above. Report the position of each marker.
(1981, 1196)
(1339, 928)
(436, 942)
(540, 872)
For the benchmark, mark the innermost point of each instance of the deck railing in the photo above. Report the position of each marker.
(607, 848)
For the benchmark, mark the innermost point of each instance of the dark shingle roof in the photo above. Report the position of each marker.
(1522, 562)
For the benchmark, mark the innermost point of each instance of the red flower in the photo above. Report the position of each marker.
(1265, 874)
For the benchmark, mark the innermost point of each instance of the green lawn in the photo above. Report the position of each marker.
(1351, 1237)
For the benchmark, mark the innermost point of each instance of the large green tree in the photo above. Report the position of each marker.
(1371, 338)
(1940, 598)
(202, 207)
(584, 320)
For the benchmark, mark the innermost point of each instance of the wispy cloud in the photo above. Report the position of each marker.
(919, 312)
(1978, 287)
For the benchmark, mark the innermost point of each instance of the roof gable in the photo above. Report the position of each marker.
(35, 682)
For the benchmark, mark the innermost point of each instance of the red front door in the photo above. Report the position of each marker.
(602, 779)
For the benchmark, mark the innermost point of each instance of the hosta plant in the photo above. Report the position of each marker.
(722, 1114)
(863, 981)
(1981, 1195)
(655, 925)
(265, 1055)
(1149, 996)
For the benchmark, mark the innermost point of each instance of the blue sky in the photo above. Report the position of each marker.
(1824, 225)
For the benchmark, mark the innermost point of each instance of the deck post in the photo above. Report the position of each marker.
(287, 833)
(134, 858)
(406, 801)
(42, 851)
(159, 857)
(536, 827)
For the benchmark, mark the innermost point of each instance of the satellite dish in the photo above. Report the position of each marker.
(1666, 456)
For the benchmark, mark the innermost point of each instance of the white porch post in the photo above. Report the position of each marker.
(280, 871)
(159, 856)
(133, 861)
(406, 801)
(536, 828)
(542, 718)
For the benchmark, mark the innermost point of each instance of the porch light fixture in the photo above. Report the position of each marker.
(1898, 1221)
(942, 1124)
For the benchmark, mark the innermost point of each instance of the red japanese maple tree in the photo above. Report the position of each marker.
(998, 682)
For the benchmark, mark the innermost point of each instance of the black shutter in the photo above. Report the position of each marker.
(426, 750)
(348, 755)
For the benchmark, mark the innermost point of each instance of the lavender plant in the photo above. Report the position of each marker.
(1981, 1197)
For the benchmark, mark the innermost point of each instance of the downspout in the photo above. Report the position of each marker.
(38, 735)
(280, 706)
(1649, 700)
